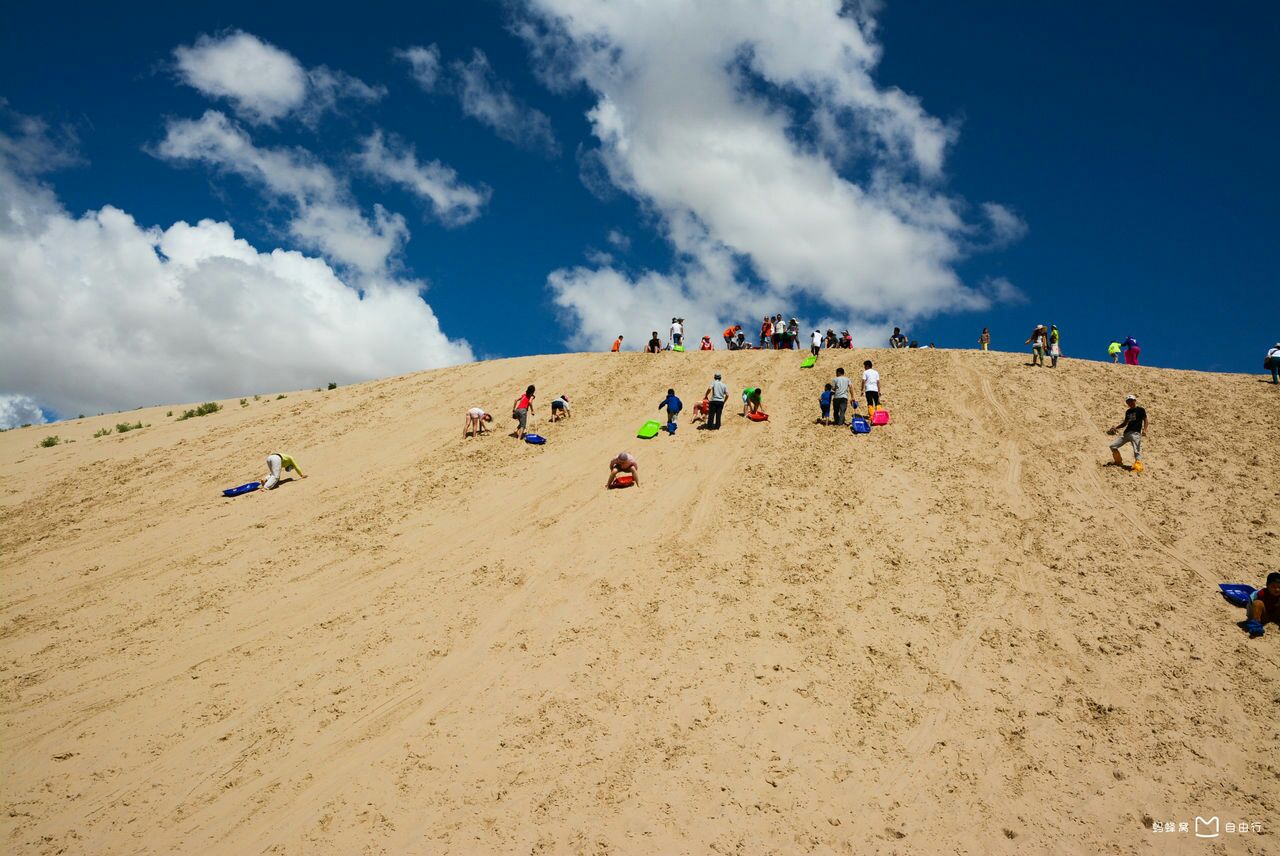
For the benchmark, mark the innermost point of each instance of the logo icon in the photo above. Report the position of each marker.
(1207, 828)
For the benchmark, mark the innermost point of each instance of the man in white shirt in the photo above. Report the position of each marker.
(1273, 363)
(816, 344)
(677, 332)
(870, 386)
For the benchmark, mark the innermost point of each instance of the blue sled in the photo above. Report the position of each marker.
(244, 488)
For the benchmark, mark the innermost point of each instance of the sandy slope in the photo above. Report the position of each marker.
(959, 634)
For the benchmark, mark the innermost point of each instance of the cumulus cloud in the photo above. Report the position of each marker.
(1006, 226)
(483, 97)
(452, 201)
(263, 82)
(424, 64)
(694, 115)
(100, 313)
(18, 410)
(325, 218)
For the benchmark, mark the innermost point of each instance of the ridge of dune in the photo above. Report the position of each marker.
(958, 634)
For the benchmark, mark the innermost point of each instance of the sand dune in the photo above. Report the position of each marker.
(960, 634)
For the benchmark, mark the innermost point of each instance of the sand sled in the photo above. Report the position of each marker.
(649, 430)
(880, 417)
(1237, 594)
(809, 362)
(244, 488)
(678, 349)
(758, 416)
(859, 425)
(623, 480)
(535, 439)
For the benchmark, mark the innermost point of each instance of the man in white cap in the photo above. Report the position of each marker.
(1131, 430)
(1273, 362)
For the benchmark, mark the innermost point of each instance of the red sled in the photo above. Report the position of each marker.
(624, 480)
(758, 416)
(880, 417)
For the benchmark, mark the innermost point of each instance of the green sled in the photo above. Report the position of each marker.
(679, 348)
(809, 362)
(649, 430)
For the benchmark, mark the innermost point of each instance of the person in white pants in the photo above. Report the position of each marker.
(276, 462)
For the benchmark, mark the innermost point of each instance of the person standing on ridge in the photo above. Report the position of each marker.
(276, 462)
(840, 389)
(520, 412)
(1272, 362)
(729, 333)
(1055, 349)
(1131, 351)
(1132, 430)
(1113, 350)
(715, 396)
(766, 333)
(870, 386)
(617, 344)
(985, 338)
(1039, 342)
(677, 332)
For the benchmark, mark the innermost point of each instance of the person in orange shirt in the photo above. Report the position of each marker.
(729, 333)
(617, 344)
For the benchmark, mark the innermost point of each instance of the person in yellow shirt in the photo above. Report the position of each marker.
(276, 462)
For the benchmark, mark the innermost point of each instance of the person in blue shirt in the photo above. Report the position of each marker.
(824, 401)
(673, 407)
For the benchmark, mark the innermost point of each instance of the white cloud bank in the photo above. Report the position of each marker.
(99, 313)
(689, 121)
(263, 82)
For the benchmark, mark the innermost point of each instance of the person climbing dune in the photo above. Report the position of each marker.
(673, 406)
(751, 400)
(476, 419)
(277, 462)
(520, 412)
(1264, 607)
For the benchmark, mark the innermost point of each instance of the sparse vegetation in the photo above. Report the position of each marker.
(25, 425)
(203, 410)
(81, 416)
(102, 432)
(256, 397)
(332, 385)
(50, 441)
(168, 413)
(125, 427)
(244, 402)
(280, 396)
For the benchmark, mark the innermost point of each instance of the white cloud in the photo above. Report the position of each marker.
(98, 313)
(263, 82)
(452, 201)
(18, 410)
(1006, 226)
(619, 240)
(483, 97)
(424, 64)
(691, 120)
(326, 218)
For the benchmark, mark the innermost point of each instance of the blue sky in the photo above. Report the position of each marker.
(560, 171)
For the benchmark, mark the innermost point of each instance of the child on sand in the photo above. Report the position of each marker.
(706, 344)
(984, 339)
(700, 411)
(476, 417)
(623, 462)
(870, 386)
(824, 402)
(751, 400)
(520, 412)
(1114, 351)
(560, 408)
(673, 407)
(277, 461)
(655, 344)
(617, 344)
(1055, 346)
(1134, 429)
(1264, 606)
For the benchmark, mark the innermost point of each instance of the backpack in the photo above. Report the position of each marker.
(859, 425)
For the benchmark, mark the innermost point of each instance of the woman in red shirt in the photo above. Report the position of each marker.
(520, 412)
